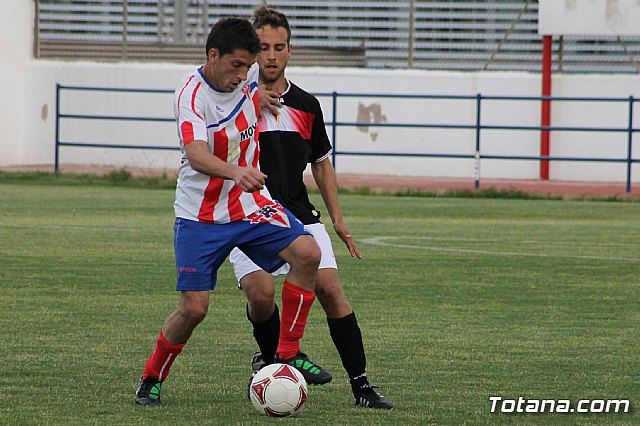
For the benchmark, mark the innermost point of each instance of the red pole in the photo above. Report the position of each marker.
(545, 113)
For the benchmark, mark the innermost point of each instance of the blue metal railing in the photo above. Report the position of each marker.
(477, 155)
(478, 126)
(59, 116)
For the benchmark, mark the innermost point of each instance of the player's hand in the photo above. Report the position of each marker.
(345, 236)
(269, 100)
(249, 179)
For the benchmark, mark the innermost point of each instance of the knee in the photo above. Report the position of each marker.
(194, 313)
(330, 293)
(331, 296)
(259, 289)
(309, 255)
(261, 299)
(325, 292)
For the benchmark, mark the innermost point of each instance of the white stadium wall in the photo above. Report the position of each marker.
(16, 45)
(28, 120)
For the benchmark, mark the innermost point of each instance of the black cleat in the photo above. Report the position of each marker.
(312, 372)
(148, 392)
(367, 397)
(256, 365)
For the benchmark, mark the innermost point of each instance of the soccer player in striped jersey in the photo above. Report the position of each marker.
(221, 201)
(291, 137)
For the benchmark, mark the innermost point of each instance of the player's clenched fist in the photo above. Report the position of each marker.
(249, 179)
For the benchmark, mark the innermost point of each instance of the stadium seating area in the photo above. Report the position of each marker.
(499, 35)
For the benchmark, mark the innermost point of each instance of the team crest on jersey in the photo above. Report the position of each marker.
(246, 89)
(273, 214)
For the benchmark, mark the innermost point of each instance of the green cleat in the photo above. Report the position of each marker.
(148, 392)
(312, 372)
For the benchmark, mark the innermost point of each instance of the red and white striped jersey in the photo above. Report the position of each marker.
(227, 122)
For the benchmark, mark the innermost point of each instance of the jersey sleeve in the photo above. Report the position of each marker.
(189, 109)
(321, 146)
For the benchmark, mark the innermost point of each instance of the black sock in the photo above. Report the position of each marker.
(347, 337)
(267, 334)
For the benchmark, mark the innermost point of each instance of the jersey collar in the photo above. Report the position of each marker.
(200, 70)
(288, 87)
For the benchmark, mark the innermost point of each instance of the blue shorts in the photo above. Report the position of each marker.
(201, 247)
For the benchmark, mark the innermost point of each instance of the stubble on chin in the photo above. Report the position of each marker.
(269, 79)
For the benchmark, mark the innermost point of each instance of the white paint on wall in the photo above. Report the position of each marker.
(16, 44)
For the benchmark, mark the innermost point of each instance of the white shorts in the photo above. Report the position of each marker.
(242, 265)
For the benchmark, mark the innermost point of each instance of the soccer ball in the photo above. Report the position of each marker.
(278, 390)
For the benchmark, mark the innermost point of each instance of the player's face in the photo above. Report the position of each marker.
(227, 72)
(275, 53)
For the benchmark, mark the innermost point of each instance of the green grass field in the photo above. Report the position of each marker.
(458, 300)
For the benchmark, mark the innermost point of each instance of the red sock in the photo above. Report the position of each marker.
(160, 361)
(296, 304)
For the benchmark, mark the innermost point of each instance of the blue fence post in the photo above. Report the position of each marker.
(334, 133)
(629, 143)
(56, 164)
(477, 153)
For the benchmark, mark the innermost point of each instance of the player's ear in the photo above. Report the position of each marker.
(213, 55)
(290, 48)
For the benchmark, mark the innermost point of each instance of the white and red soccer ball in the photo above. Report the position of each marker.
(278, 390)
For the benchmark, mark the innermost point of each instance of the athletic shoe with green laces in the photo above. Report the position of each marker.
(148, 392)
(367, 397)
(312, 372)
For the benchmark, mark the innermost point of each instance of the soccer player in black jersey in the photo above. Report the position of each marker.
(290, 137)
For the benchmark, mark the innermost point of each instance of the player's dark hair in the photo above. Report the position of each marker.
(229, 34)
(264, 16)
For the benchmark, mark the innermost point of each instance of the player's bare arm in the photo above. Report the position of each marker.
(201, 160)
(325, 178)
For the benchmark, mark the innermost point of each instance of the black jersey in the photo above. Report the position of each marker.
(288, 142)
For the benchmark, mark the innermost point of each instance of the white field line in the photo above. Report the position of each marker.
(384, 242)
